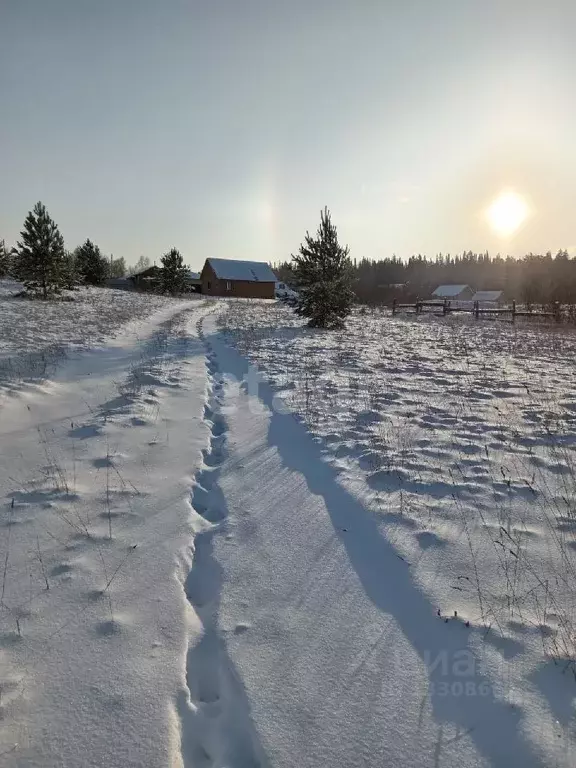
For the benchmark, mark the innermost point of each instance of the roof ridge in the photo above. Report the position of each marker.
(237, 261)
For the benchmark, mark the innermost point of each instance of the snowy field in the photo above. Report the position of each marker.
(229, 541)
(97, 451)
(460, 437)
(34, 335)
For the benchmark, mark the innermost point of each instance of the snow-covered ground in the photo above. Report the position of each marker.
(96, 465)
(361, 556)
(458, 440)
(35, 335)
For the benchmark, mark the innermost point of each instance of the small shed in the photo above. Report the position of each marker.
(453, 292)
(242, 279)
(489, 298)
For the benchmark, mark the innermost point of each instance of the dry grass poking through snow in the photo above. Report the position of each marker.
(462, 436)
(93, 495)
(81, 510)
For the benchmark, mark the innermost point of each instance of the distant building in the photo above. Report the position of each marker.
(453, 292)
(148, 280)
(489, 298)
(241, 279)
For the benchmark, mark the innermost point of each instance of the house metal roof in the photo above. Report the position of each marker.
(487, 295)
(449, 291)
(249, 271)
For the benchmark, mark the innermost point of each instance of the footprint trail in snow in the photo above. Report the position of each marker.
(216, 726)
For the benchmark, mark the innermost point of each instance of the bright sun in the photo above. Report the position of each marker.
(507, 213)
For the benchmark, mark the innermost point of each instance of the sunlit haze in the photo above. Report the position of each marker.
(223, 127)
(507, 214)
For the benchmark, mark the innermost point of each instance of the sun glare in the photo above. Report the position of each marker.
(507, 213)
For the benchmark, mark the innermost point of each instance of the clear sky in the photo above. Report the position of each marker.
(224, 126)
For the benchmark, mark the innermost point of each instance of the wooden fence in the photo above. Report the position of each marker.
(476, 310)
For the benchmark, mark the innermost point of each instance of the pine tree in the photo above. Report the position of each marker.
(91, 265)
(322, 270)
(40, 254)
(4, 260)
(173, 272)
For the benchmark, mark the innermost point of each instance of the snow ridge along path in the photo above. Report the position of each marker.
(216, 726)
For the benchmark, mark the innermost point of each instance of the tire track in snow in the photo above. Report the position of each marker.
(217, 730)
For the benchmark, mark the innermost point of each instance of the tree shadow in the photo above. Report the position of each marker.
(460, 693)
(560, 694)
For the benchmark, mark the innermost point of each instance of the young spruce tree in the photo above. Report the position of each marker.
(322, 270)
(173, 272)
(40, 254)
(92, 267)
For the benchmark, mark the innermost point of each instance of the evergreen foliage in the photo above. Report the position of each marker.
(322, 272)
(70, 276)
(4, 260)
(91, 265)
(173, 272)
(538, 279)
(40, 254)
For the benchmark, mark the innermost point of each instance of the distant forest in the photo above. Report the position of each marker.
(533, 280)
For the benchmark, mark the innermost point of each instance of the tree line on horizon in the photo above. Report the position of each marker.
(45, 268)
(330, 278)
(535, 279)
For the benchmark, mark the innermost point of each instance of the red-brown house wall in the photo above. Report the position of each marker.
(243, 289)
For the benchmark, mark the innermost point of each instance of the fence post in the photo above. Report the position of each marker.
(477, 310)
(445, 307)
(513, 310)
(557, 315)
(418, 308)
(394, 301)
